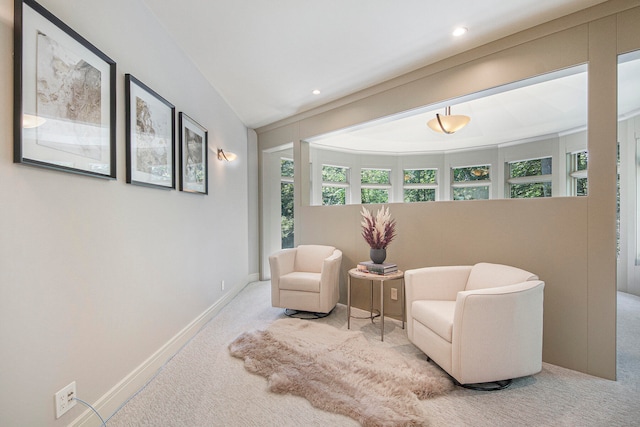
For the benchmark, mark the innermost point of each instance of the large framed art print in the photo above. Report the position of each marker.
(64, 96)
(150, 123)
(193, 156)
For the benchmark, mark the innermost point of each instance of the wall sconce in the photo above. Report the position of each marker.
(448, 124)
(228, 156)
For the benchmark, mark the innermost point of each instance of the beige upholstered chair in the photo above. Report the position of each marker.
(480, 323)
(306, 278)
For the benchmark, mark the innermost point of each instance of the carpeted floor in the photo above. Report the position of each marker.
(203, 385)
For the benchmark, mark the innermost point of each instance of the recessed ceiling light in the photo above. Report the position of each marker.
(316, 92)
(460, 31)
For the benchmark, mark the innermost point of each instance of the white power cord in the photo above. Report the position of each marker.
(104, 423)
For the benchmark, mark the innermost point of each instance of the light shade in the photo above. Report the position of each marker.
(448, 124)
(228, 156)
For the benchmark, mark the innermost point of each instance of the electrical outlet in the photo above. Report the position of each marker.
(65, 399)
(222, 285)
(394, 294)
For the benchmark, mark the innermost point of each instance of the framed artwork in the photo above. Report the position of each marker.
(151, 130)
(193, 156)
(64, 114)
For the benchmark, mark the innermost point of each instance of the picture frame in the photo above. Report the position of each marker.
(150, 141)
(194, 163)
(64, 114)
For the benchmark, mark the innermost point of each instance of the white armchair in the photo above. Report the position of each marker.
(480, 323)
(306, 278)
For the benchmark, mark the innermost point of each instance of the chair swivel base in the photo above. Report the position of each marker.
(488, 386)
(301, 314)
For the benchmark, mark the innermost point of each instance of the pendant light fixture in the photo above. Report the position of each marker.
(448, 124)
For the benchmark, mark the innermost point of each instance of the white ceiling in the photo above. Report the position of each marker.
(546, 105)
(549, 105)
(266, 56)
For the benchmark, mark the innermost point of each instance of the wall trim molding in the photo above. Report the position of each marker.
(130, 385)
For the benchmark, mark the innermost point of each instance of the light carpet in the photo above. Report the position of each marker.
(203, 385)
(339, 371)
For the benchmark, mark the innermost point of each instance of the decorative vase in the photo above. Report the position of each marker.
(378, 255)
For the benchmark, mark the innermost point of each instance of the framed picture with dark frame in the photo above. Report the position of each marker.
(194, 169)
(64, 115)
(151, 130)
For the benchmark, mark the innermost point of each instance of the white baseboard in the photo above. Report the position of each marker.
(112, 400)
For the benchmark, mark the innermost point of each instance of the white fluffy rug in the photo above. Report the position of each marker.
(339, 371)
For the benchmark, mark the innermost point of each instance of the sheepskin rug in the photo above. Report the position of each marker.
(339, 371)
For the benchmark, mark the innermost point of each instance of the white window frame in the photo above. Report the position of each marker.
(427, 186)
(285, 180)
(533, 179)
(282, 177)
(472, 184)
(346, 185)
(272, 201)
(388, 186)
(574, 174)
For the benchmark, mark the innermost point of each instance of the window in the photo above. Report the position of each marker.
(578, 163)
(529, 178)
(335, 184)
(286, 202)
(375, 185)
(420, 185)
(472, 182)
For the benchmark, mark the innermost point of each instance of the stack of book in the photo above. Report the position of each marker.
(371, 267)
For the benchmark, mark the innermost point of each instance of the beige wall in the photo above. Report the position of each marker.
(568, 242)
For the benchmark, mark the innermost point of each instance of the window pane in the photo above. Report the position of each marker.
(375, 195)
(473, 173)
(420, 176)
(582, 160)
(530, 167)
(374, 176)
(582, 187)
(286, 212)
(286, 168)
(334, 174)
(333, 196)
(419, 195)
(471, 193)
(534, 189)
(579, 182)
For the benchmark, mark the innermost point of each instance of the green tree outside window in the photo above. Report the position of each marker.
(412, 195)
(415, 177)
(286, 203)
(471, 193)
(472, 173)
(420, 176)
(375, 176)
(372, 194)
(334, 194)
(582, 184)
(528, 168)
(334, 174)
